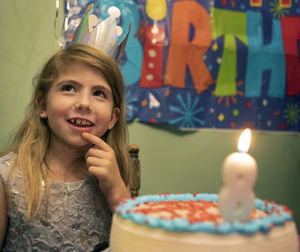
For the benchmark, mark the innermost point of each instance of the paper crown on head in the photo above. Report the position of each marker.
(102, 34)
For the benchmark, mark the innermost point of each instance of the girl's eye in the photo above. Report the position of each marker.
(68, 88)
(100, 94)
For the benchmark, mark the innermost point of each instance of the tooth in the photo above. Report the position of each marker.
(72, 121)
(84, 122)
(78, 121)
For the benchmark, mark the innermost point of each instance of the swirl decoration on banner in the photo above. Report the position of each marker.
(131, 67)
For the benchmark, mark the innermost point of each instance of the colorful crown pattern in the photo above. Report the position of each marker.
(102, 34)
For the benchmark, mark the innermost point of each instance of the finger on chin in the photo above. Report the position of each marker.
(97, 142)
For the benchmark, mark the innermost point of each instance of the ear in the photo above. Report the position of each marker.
(41, 108)
(43, 114)
(114, 117)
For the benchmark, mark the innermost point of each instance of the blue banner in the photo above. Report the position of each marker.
(208, 64)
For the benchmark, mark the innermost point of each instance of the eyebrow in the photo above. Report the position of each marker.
(63, 82)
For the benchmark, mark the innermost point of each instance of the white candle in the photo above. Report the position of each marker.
(236, 198)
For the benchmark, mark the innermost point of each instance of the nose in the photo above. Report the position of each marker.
(83, 104)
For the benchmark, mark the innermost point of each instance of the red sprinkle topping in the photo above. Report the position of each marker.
(266, 203)
(287, 210)
(192, 210)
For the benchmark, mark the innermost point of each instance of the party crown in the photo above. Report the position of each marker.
(102, 34)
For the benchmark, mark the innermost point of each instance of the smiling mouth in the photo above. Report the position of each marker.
(81, 123)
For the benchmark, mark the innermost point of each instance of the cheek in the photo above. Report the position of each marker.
(57, 109)
(104, 116)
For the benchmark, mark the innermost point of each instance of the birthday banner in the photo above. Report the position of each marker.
(226, 64)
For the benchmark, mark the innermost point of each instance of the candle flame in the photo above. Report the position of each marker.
(244, 141)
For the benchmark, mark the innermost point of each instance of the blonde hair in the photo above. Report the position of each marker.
(33, 136)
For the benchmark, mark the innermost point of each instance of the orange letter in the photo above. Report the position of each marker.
(183, 52)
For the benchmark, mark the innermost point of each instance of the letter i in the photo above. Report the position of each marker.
(152, 68)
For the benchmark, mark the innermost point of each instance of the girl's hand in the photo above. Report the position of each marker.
(102, 163)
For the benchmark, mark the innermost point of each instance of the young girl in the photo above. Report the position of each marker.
(68, 166)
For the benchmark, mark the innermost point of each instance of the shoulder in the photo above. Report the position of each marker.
(5, 162)
(8, 157)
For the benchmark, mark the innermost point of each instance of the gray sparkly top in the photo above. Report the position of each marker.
(79, 216)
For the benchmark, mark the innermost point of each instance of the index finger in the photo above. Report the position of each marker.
(97, 141)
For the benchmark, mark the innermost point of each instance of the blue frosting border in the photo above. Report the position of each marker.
(277, 216)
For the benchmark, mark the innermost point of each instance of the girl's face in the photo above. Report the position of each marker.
(80, 100)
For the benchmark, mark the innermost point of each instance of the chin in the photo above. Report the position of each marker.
(78, 144)
(83, 144)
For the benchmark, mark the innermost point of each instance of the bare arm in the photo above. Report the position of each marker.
(3, 214)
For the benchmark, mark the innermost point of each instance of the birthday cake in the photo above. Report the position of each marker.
(192, 222)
